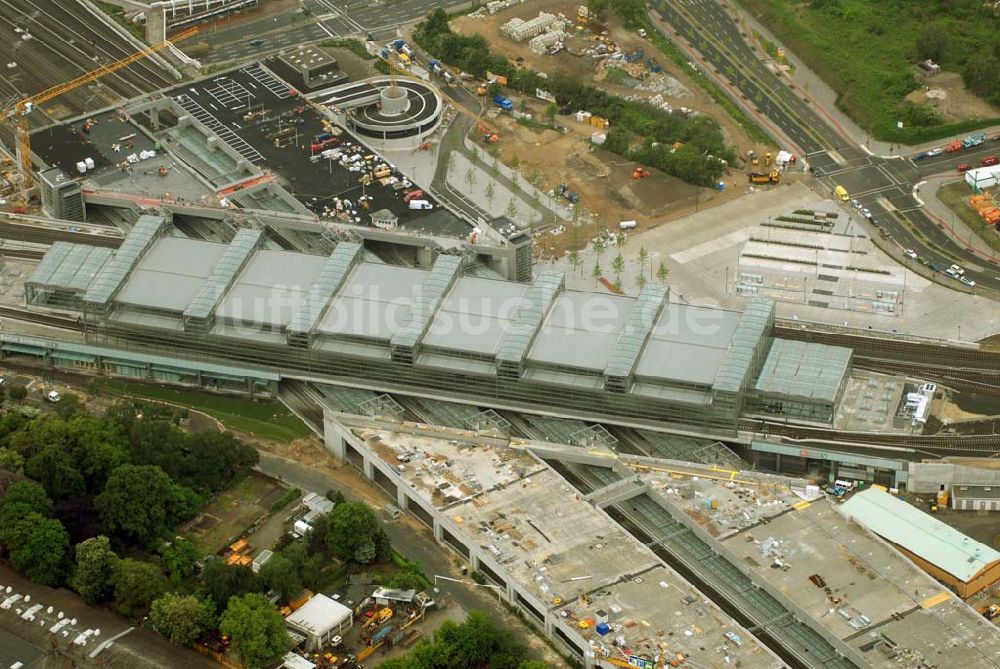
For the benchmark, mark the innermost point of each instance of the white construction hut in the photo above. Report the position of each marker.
(983, 177)
(296, 661)
(320, 619)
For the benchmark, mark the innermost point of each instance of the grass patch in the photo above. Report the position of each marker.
(800, 228)
(118, 14)
(815, 247)
(268, 419)
(290, 495)
(764, 256)
(354, 46)
(865, 50)
(956, 197)
(226, 517)
(532, 124)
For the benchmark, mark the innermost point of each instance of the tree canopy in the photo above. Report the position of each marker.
(182, 618)
(39, 548)
(141, 503)
(354, 533)
(256, 629)
(223, 581)
(136, 585)
(95, 569)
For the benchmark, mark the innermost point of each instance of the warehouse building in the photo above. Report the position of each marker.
(319, 620)
(441, 329)
(964, 565)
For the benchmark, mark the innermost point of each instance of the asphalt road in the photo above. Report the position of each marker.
(326, 19)
(881, 184)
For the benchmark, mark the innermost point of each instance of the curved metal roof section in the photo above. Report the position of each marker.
(440, 278)
(747, 337)
(70, 266)
(330, 279)
(110, 277)
(641, 320)
(537, 301)
(218, 282)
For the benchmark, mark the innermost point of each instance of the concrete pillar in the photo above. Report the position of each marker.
(156, 25)
(425, 257)
(438, 531)
(402, 501)
(334, 443)
(154, 118)
(511, 592)
(369, 468)
(549, 626)
(473, 561)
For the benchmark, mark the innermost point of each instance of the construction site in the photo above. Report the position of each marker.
(553, 36)
(601, 549)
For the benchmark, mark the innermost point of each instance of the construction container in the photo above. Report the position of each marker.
(598, 138)
(599, 122)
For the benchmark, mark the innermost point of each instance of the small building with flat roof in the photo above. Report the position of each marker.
(958, 561)
(320, 619)
(975, 497)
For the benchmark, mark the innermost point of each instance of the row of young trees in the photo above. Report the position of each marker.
(639, 131)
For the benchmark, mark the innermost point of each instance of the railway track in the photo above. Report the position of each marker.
(972, 381)
(39, 235)
(898, 350)
(936, 444)
(24, 254)
(65, 322)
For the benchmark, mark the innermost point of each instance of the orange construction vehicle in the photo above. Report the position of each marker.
(760, 178)
(490, 137)
(640, 173)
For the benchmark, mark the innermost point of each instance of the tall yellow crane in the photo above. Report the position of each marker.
(23, 107)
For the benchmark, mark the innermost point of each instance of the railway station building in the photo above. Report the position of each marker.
(439, 331)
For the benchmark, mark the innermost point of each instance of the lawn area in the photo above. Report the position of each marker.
(267, 419)
(866, 50)
(956, 196)
(232, 511)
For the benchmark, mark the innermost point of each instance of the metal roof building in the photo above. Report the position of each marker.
(964, 564)
(440, 329)
(320, 619)
(802, 380)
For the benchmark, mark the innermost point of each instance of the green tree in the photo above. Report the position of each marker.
(551, 110)
(353, 532)
(56, 469)
(256, 628)
(281, 575)
(21, 498)
(511, 210)
(179, 557)
(643, 257)
(94, 575)
(39, 548)
(597, 272)
(490, 193)
(182, 618)
(662, 272)
(574, 259)
(69, 405)
(308, 563)
(618, 266)
(140, 503)
(223, 582)
(11, 460)
(136, 585)
(18, 392)
(599, 246)
(932, 42)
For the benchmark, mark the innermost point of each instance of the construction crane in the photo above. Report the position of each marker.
(490, 132)
(23, 107)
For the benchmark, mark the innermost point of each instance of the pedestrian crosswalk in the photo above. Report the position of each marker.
(220, 129)
(280, 89)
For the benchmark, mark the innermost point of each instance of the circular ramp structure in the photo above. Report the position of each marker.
(386, 108)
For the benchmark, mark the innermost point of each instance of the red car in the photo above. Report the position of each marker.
(990, 160)
(964, 167)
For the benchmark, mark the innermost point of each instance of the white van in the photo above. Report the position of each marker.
(53, 396)
(420, 204)
(846, 485)
(626, 225)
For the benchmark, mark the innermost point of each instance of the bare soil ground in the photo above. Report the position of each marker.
(946, 93)
(602, 180)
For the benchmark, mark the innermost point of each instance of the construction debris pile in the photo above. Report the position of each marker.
(493, 7)
(724, 508)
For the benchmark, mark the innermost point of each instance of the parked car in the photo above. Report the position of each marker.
(990, 160)
(53, 396)
(935, 152)
(866, 212)
(964, 167)
(958, 270)
(855, 204)
(967, 281)
(910, 253)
